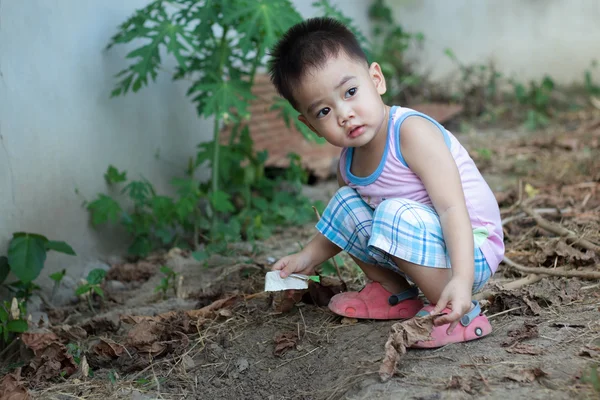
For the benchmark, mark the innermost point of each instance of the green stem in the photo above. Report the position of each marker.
(215, 160)
(89, 298)
(255, 64)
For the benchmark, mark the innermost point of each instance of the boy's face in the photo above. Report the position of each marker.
(341, 101)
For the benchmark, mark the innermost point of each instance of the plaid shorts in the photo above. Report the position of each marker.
(397, 227)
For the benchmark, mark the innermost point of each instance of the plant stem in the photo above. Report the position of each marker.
(215, 160)
(255, 64)
(89, 298)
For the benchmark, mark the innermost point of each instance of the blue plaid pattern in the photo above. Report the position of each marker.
(403, 228)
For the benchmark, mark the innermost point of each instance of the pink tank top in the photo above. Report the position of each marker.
(394, 179)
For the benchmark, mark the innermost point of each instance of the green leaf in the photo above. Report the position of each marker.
(26, 256)
(104, 209)
(262, 20)
(96, 276)
(18, 326)
(61, 247)
(139, 191)
(98, 291)
(3, 314)
(83, 289)
(113, 175)
(200, 255)
(141, 246)
(217, 97)
(166, 270)
(4, 268)
(220, 202)
(58, 276)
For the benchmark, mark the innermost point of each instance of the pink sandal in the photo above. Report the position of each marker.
(374, 302)
(472, 325)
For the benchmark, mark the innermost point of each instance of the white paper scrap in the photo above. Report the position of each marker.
(274, 282)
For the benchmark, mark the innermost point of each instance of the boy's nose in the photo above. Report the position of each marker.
(345, 115)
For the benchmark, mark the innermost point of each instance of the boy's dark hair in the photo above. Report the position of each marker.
(308, 45)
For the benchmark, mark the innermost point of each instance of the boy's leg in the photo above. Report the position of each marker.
(411, 234)
(347, 222)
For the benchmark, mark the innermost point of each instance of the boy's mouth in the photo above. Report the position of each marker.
(356, 131)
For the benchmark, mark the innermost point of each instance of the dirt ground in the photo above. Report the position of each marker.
(241, 345)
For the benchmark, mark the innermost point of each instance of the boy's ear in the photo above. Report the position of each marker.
(303, 119)
(378, 78)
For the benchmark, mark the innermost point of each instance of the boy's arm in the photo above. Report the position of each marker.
(317, 251)
(428, 156)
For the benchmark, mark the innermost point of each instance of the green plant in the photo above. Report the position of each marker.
(591, 88)
(57, 277)
(93, 285)
(168, 281)
(389, 47)
(12, 319)
(536, 98)
(154, 220)
(479, 87)
(592, 377)
(27, 254)
(218, 46)
(74, 350)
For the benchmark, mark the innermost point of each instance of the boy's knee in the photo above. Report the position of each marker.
(344, 194)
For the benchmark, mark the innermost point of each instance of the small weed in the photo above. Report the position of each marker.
(74, 350)
(590, 87)
(536, 98)
(94, 280)
(168, 281)
(592, 377)
(12, 320)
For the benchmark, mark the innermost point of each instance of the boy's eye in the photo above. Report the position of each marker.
(351, 92)
(323, 112)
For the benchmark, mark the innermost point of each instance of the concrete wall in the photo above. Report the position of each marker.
(525, 38)
(59, 130)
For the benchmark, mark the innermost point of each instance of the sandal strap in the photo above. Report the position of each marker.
(471, 315)
(405, 295)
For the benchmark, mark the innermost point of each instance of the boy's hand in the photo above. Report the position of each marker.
(298, 263)
(457, 296)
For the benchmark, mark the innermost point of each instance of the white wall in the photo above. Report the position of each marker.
(527, 38)
(59, 130)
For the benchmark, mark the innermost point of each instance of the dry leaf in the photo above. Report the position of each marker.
(320, 293)
(459, 383)
(522, 348)
(108, 349)
(70, 333)
(527, 331)
(285, 300)
(285, 342)
(590, 351)
(84, 367)
(227, 313)
(404, 334)
(12, 387)
(98, 325)
(145, 337)
(138, 272)
(527, 375)
(38, 340)
(51, 361)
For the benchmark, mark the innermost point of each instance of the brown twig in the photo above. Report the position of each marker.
(335, 264)
(516, 284)
(561, 231)
(553, 272)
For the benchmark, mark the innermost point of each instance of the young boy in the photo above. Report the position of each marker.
(411, 204)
